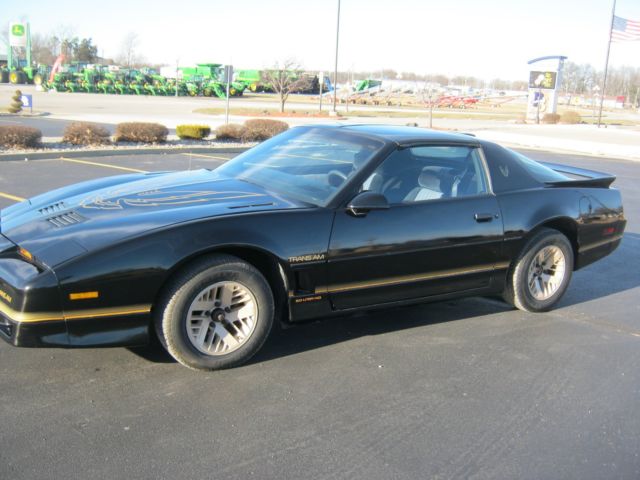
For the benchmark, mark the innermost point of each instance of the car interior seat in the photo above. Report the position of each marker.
(428, 188)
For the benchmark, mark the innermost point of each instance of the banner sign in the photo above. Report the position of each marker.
(545, 80)
(18, 34)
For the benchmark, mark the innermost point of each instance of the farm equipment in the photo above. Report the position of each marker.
(19, 68)
(367, 84)
(207, 79)
(453, 101)
(252, 80)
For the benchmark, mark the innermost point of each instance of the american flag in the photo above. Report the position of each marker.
(625, 30)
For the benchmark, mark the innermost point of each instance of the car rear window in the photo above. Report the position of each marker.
(511, 170)
(540, 172)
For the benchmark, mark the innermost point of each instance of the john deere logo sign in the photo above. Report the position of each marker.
(18, 37)
(17, 30)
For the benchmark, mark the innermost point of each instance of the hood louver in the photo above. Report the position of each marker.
(66, 219)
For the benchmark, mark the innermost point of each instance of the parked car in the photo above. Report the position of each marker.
(315, 222)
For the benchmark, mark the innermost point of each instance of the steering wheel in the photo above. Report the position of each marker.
(336, 178)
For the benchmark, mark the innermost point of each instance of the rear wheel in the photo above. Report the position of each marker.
(216, 314)
(541, 274)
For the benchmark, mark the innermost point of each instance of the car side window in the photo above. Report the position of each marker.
(425, 173)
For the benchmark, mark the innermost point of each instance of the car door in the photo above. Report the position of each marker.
(440, 234)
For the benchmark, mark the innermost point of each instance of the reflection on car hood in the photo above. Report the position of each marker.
(101, 212)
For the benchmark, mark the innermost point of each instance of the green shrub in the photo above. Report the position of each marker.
(19, 136)
(84, 133)
(257, 130)
(16, 102)
(141, 132)
(550, 118)
(232, 131)
(196, 132)
(570, 117)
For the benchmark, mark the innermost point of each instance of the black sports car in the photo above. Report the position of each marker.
(315, 222)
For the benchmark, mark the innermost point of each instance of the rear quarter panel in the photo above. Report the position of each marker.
(592, 212)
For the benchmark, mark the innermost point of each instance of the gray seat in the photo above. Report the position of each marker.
(428, 188)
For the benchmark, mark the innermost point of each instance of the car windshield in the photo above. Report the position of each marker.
(305, 163)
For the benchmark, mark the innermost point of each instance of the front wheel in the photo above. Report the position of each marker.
(541, 274)
(215, 314)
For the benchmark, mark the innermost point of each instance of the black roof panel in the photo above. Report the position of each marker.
(410, 135)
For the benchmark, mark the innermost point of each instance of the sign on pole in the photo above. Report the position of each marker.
(228, 77)
(228, 74)
(18, 34)
(544, 86)
(546, 80)
(27, 100)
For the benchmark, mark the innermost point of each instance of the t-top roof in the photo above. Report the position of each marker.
(410, 135)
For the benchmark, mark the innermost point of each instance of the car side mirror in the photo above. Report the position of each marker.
(364, 202)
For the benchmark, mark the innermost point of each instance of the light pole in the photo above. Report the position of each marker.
(335, 70)
(596, 94)
(177, 73)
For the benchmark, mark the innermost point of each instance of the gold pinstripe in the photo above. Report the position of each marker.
(26, 317)
(399, 280)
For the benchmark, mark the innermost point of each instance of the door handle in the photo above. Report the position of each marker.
(484, 217)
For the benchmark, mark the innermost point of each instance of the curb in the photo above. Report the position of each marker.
(12, 157)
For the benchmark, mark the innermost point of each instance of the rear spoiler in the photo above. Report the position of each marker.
(586, 178)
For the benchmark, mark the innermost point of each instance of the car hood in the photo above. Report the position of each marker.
(91, 215)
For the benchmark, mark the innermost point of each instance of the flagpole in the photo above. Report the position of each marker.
(606, 63)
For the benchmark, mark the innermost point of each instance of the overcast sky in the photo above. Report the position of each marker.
(483, 38)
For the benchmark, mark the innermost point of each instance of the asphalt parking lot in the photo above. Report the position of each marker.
(460, 389)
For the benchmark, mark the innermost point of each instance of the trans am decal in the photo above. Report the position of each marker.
(160, 198)
(312, 257)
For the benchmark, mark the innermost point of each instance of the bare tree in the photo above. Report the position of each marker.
(128, 50)
(61, 38)
(43, 49)
(285, 78)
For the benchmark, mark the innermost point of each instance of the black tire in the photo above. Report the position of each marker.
(518, 292)
(172, 311)
(4, 76)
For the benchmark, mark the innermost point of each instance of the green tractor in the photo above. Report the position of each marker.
(252, 80)
(209, 78)
(21, 75)
(161, 85)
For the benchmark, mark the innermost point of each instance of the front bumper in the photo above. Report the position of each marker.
(37, 334)
(117, 330)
